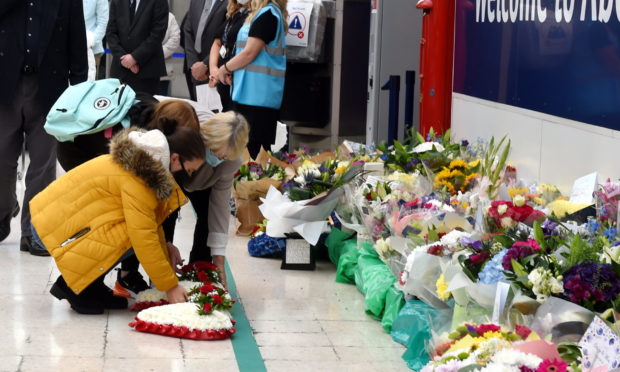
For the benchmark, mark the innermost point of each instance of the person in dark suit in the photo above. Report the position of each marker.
(205, 19)
(136, 29)
(42, 50)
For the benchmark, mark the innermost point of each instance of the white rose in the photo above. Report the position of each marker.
(518, 200)
(502, 209)
(507, 222)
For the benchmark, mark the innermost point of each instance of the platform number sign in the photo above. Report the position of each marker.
(298, 23)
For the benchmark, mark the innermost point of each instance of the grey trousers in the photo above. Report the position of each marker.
(22, 119)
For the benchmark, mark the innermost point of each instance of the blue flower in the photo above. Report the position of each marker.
(384, 156)
(592, 225)
(492, 272)
(610, 233)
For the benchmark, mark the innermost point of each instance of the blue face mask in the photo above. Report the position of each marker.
(212, 159)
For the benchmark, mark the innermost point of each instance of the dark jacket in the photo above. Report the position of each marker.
(215, 22)
(141, 38)
(62, 54)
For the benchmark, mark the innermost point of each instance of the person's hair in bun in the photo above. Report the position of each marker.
(167, 126)
(181, 111)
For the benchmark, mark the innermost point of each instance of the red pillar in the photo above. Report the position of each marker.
(436, 62)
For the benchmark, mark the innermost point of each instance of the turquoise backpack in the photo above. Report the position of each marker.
(90, 107)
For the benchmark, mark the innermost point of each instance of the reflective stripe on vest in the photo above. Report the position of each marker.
(265, 70)
(271, 50)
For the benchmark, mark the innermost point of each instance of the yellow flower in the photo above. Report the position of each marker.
(456, 173)
(466, 344)
(489, 335)
(458, 163)
(448, 185)
(513, 191)
(442, 288)
(470, 177)
(443, 174)
(341, 169)
(473, 164)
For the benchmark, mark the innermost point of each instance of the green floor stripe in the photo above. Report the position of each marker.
(246, 350)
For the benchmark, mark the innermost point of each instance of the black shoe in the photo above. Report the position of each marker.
(27, 245)
(105, 295)
(132, 283)
(82, 304)
(5, 224)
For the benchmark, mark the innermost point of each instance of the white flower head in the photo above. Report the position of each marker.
(518, 200)
(502, 208)
(428, 146)
(507, 222)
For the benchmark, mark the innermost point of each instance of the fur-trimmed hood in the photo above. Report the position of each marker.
(139, 160)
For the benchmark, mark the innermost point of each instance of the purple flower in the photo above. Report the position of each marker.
(475, 245)
(549, 227)
(464, 143)
(516, 252)
(591, 282)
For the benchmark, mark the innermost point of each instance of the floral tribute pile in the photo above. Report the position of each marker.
(490, 348)
(205, 316)
(459, 231)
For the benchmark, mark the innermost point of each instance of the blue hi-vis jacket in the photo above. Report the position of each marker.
(261, 83)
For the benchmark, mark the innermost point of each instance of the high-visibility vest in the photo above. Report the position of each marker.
(261, 82)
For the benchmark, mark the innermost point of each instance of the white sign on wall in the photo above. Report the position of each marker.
(298, 23)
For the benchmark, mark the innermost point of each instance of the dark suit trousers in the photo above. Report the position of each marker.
(150, 86)
(22, 118)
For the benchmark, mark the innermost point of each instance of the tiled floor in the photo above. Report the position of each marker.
(302, 321)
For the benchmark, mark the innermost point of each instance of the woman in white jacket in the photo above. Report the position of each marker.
(171, 42)
(96, 20)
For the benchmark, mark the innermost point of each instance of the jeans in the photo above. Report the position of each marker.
(36, 240)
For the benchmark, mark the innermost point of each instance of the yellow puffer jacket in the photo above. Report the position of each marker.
(88, 218)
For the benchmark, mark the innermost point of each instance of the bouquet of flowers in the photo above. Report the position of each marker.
(457, 176)
(607, 199)
(315, 179)
(251, 182)
(425, 154)
(489, 347)
(503, 215)
(204, 317)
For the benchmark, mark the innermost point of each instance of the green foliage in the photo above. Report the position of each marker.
(579, 251)
(493, 164)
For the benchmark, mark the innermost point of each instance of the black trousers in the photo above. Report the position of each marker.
(224, 91)
(200, 251)
(150, 86)
(263, 124)
(22, 119)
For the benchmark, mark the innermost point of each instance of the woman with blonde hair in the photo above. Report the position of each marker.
(225, 136)
(257, 70)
